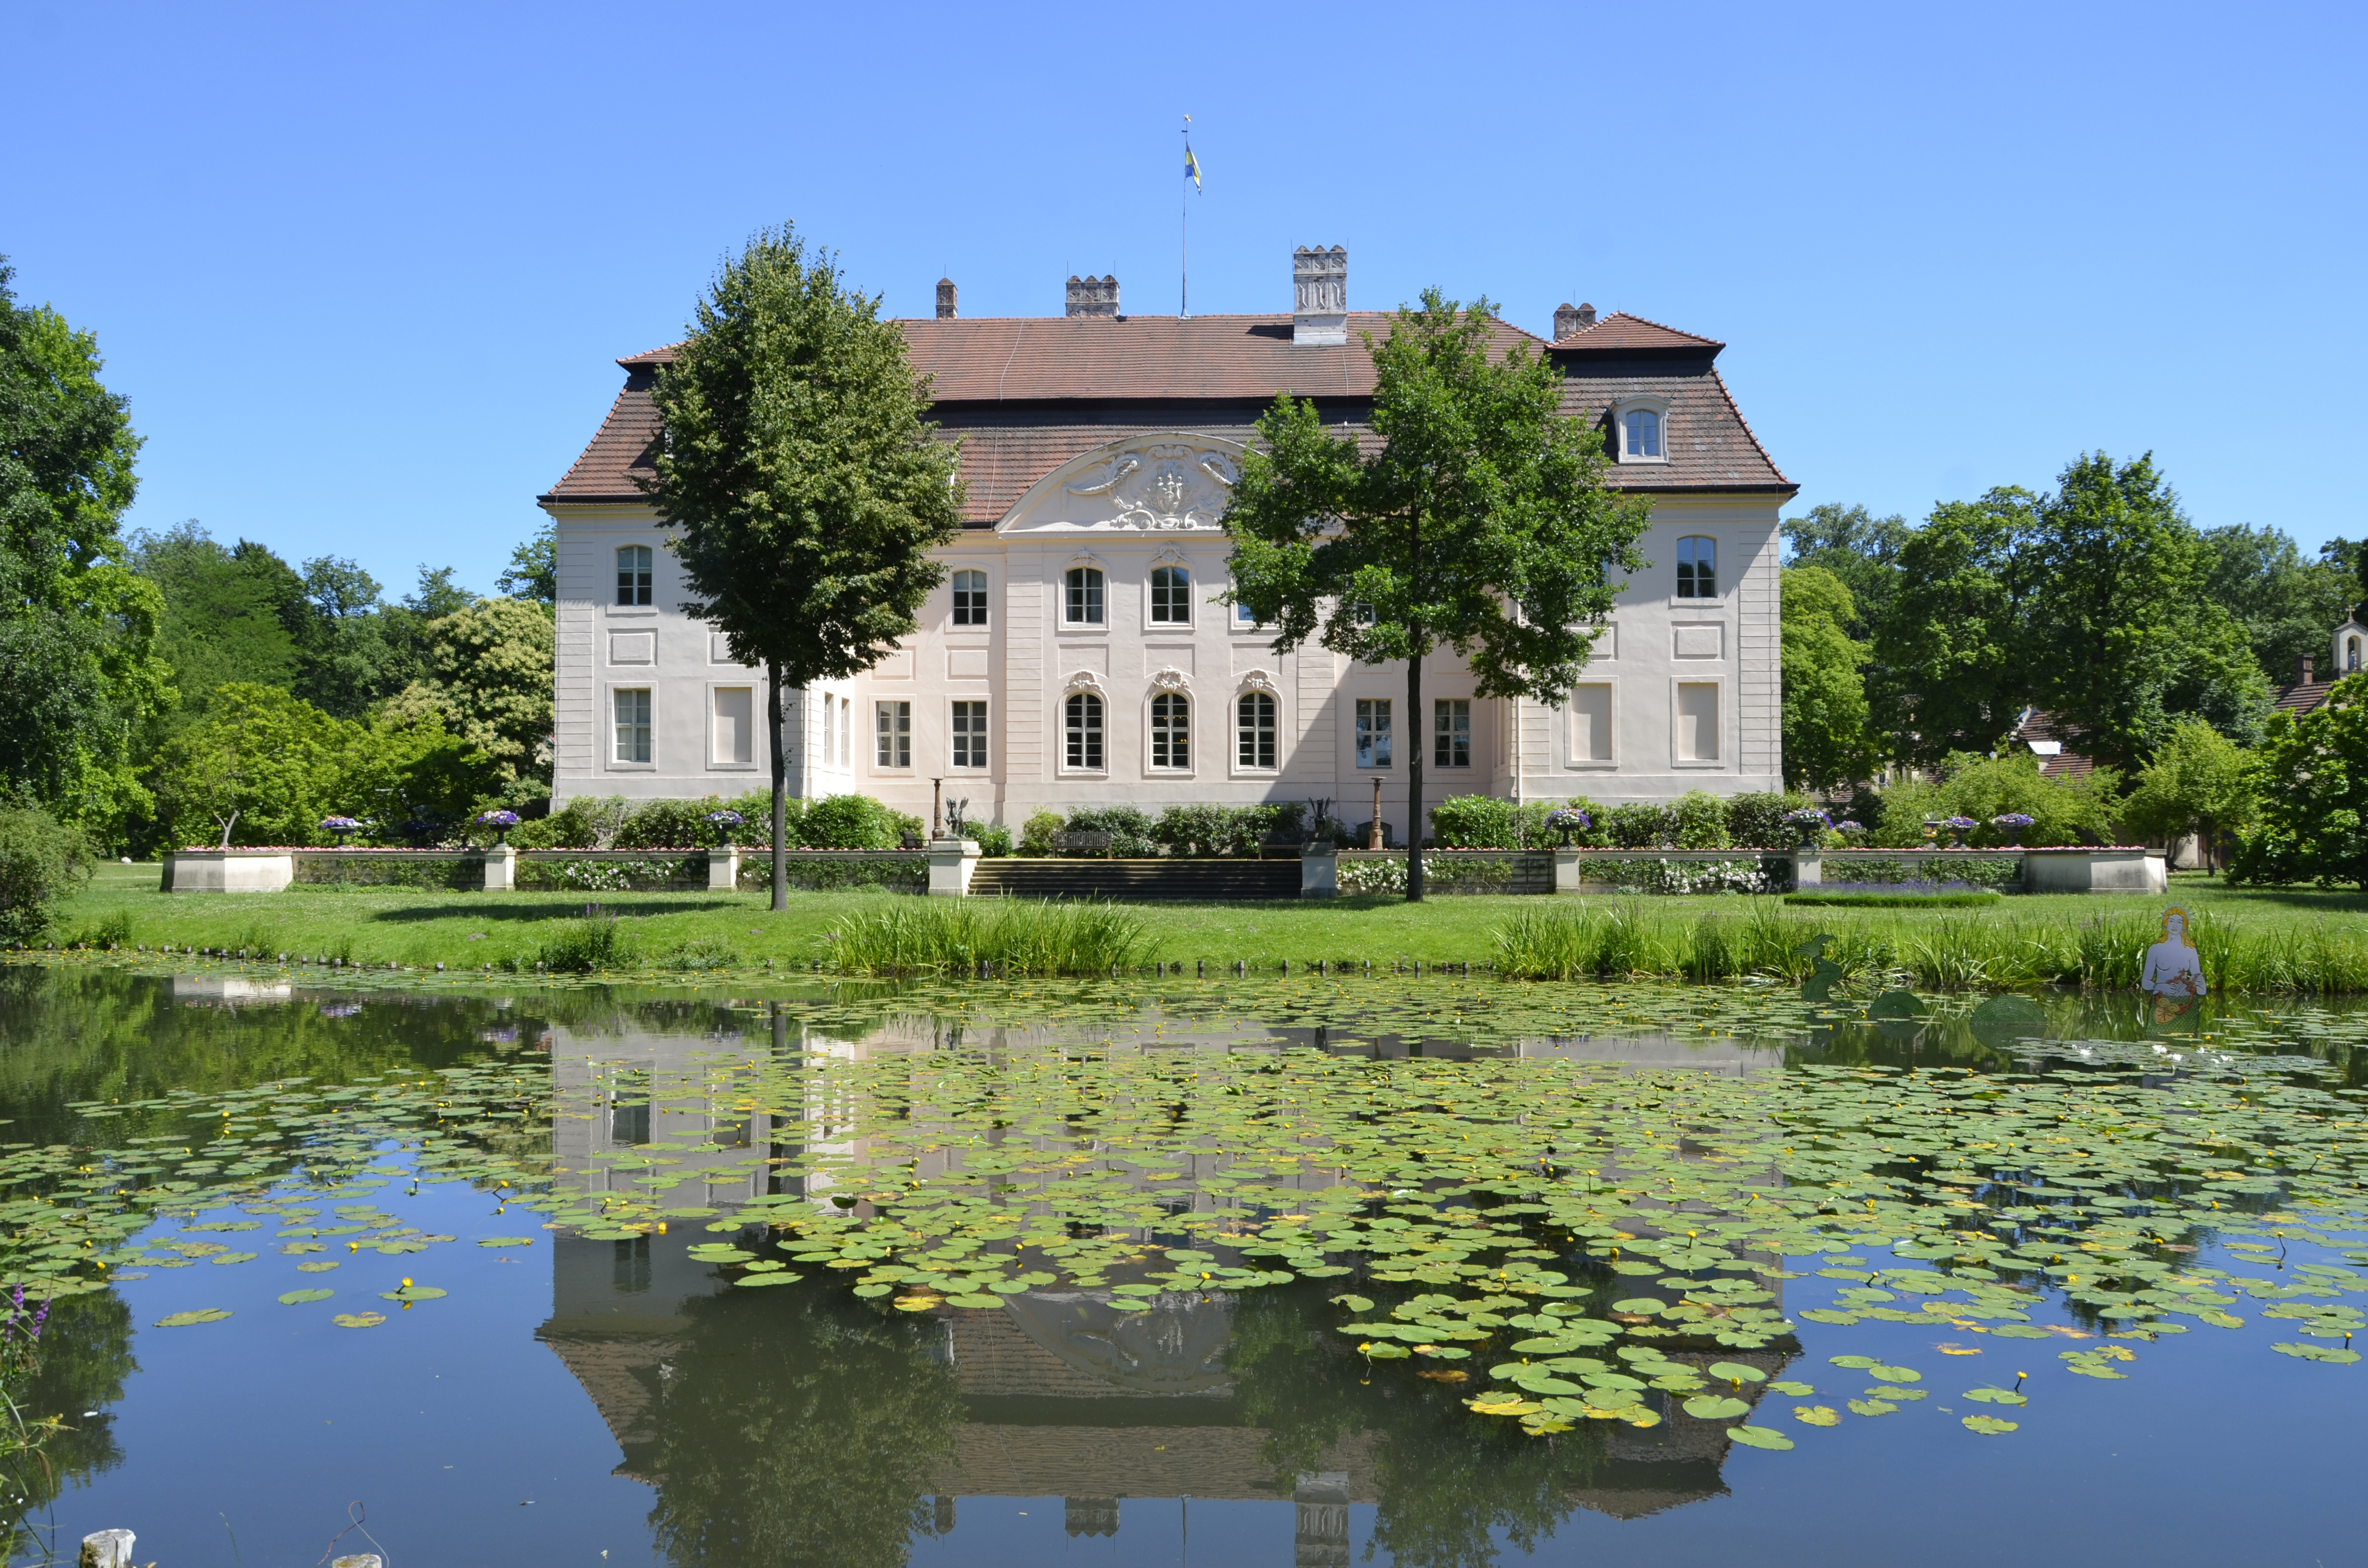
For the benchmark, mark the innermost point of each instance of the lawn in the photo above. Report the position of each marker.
(465, 930)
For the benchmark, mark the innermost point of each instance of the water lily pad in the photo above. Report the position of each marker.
(413, 1294)
(1988, 1426)
(506, 1241)
(1736, 1372)
(298, 1298)
(185, 1319)
(1791, 1389)
(1853, 1363)
(1872, 1407)
(1715, 1407)
(1896, 1374)
(1996, 1396)
(1817, 1414)
(747, 1279)
(319, 1267)
(358, 1320)
(1760, 1437)
(2316, 1352)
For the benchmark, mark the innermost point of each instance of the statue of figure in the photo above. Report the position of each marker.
(954, 810)
(2173, 971)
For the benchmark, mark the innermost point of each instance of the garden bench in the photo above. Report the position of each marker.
(1082, 843)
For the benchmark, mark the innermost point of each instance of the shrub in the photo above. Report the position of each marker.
(1036, 834)
(41, 860)
(1700, 820)
(1199, 830)
(678, 824)
(1130, 828)
(698, 953)
(1475, 822)
(1015, 937)
(2062, 811)
(580, 947)
(1756, 820)
(1639, 825)
(587, 821)
(993, 839)
(854, 822)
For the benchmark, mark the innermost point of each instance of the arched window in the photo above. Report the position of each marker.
(970, 598)
(633, 574)
(1171, 596)
(1171, 730)
(2351, 655)
(1253, 719)
(1083, 714)
(1644, 433)
(1697, 568)
(1085, 607)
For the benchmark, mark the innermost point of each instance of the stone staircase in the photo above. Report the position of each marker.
(1163, 878)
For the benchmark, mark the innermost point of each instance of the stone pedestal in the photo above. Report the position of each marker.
(1565, 864)
(1319, 874)
(1808, 867)
(723, 869)
(501, 868)
(229, 870)
(952, 863)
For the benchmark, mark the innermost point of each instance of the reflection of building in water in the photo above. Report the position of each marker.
(1066, 1392)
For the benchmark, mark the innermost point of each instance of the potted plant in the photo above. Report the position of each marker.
(1567, 820)
(1958, 827)
(2012, 827)
(1808, 825)
(501, 822)
(723, 823)
(339, 828)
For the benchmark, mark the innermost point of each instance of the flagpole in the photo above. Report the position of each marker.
(1184, 233)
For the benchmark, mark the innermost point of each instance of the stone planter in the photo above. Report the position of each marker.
(229, 870)
(952, 863)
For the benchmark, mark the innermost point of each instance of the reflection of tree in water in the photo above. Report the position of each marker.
(795, 1427)
(85, 1356)
(1447, 1480)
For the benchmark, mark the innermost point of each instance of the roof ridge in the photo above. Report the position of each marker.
(1757, 445)
(1664, 326)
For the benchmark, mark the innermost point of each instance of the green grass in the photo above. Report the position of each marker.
(2252, 939)
(1894, 900)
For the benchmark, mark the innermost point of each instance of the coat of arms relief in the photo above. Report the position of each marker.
(1170, 485)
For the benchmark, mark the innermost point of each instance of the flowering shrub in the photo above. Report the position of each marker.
(1440, 874)
(1679, 876)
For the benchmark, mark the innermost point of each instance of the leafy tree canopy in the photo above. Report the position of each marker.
(533, 571)
(2198, 781)
(1481, 523)
(2313, 783)
(1857, 547)
(1826, 742)
(804, 483)
(488, 681)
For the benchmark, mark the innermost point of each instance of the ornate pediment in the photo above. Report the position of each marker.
(1173, 482)
(1171, 678)
(1259, 680)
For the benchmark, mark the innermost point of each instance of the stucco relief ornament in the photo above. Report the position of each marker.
(1259, 680)
(1172, 487)
(1171, 678)
(1085, 680)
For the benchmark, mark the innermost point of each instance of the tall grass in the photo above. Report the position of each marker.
(1013, 936)
(582, 947)
(1972, 951)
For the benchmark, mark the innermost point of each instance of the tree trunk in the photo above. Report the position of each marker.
(1413, 734)
(780, 787)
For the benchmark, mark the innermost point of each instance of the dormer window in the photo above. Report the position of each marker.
(1644, 433)
(1638, 433)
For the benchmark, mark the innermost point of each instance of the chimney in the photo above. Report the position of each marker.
(1091, 296)
(1319, 288)
(945, 298)
(2303, 672)
(1569, 319)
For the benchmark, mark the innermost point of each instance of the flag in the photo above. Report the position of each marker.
(1192, 167)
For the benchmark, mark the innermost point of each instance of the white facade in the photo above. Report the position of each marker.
(1682, 692)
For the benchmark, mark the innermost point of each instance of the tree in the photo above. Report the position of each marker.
(2198, 781)
(2286, 603)
(262, 767)
(2313, 782)
(1857, 547)
(533, 571)
(1482, 523)
(489, 683)
(228, 616)
(1826, 739)
(77, 629)
(1954, 674)
(804, 486)
(2120, 638)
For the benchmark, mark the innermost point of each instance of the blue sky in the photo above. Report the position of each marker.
(363, 271)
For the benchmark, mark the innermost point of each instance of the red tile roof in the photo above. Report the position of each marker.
(1029, 393)
(2307, 698)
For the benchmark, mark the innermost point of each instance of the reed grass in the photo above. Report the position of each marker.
(1010, 936)
(1587, 940)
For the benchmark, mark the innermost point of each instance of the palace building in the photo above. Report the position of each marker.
(1074, 656)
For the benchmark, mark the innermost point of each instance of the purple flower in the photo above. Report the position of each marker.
(725, 819)
(2011, 819)
(1846, 825)
(339, 824)
(1808, 816)
(1959, 824)
(1570, 817)
(498, 818)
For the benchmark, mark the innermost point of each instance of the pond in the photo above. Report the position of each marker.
(1441, 1271)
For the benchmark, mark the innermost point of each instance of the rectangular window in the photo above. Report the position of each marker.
(970, 734)
(633, 574)
(1255, 716)
(735, 726)
(847, 732)
(1171, 596)
(633, 724)
(1451, 735)
(1373, 732)
(970, 598)
(827, 754)
(1591, 723)
(1697, 722)
(1245, 616)
(1644, 434)
(1697, 567)
(895, 749)
(1085, 606)
(1082, 715)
